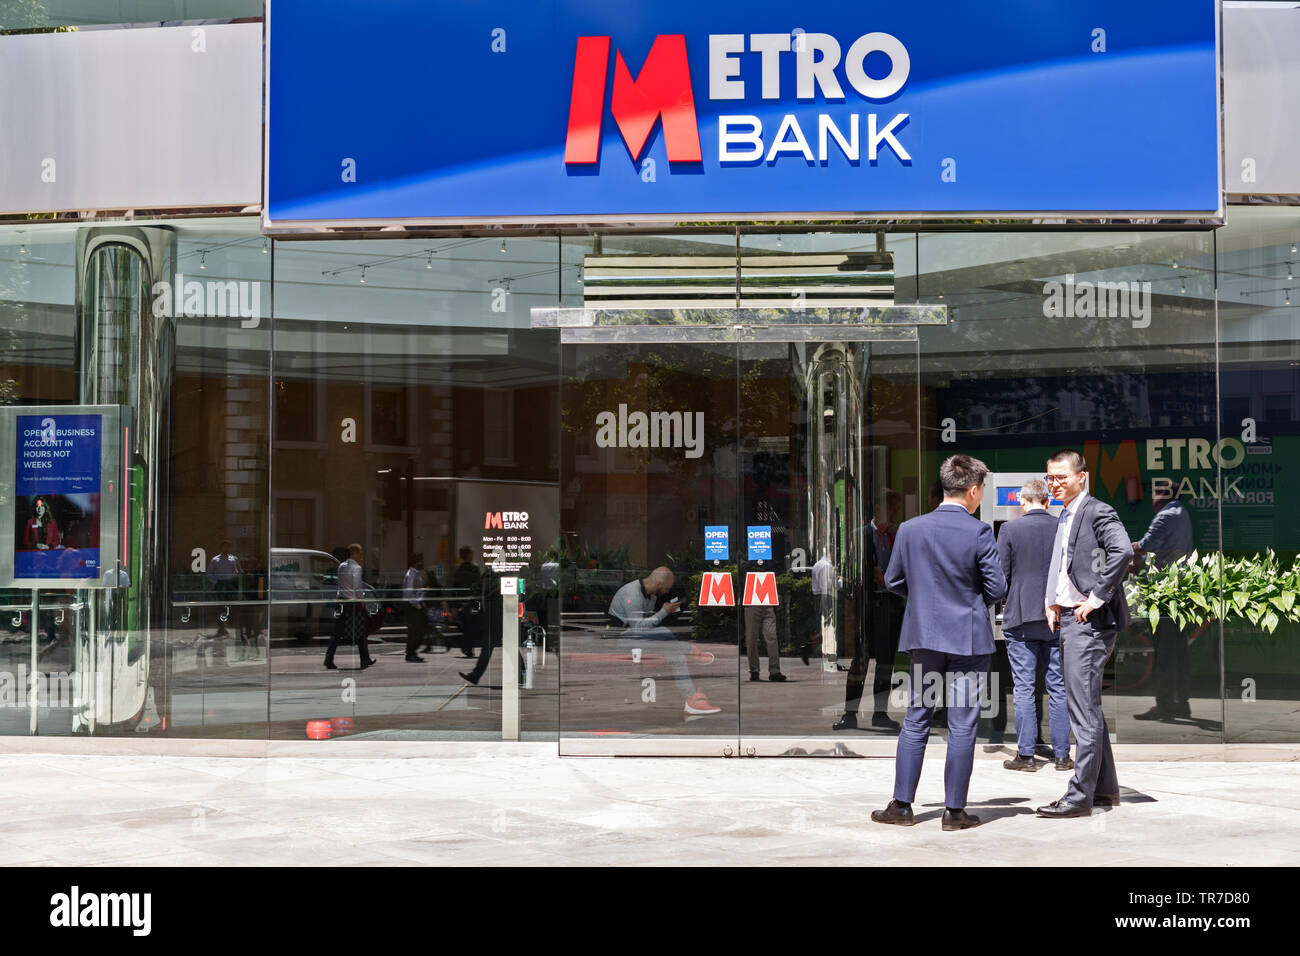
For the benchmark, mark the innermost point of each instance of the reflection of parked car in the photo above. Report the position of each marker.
(306, 576)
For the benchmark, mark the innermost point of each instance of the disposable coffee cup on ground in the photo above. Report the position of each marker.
(636, 655)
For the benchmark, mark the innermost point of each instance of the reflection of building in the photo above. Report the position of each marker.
(392, 392)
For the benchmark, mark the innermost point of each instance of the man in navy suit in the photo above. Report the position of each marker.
(1090, 555)
(946, 564)
(1025, 550)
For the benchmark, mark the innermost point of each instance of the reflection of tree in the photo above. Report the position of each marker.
(22, 14)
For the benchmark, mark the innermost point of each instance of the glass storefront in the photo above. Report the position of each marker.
(289, 400)
(36, 14)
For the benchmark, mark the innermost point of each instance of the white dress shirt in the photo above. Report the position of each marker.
(1067, 595)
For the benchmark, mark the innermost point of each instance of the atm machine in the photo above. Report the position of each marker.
(1002, 504)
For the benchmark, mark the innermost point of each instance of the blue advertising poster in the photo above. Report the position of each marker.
(759, 538)
(580, 109)
(716, 547)
(57, 496)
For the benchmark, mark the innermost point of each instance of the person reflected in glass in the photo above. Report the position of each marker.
(413, 594)
(1167, 539)
(887, 608)
(223, 580)
(466, 580)
(639, 611)
(1025, 551)
(42, 531)
(351, 597)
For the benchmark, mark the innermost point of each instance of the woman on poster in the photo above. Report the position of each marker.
(42, 530)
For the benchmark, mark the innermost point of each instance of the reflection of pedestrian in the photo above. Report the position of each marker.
(945, 563)
(886, 609)
(762, 619)
(1025, 550)
(1169, 538)
(413, 595)
(223, 578)
(468, 578)
(42, 532)
(351, 597)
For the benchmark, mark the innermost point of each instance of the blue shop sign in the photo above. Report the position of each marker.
(715, 543)
(759, 540)
(582, 110)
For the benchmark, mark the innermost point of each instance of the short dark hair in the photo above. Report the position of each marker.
(961, 472)
(465, 553)
(416, 558)
(1069, 457)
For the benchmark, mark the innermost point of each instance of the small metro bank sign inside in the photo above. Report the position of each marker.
(581, 110)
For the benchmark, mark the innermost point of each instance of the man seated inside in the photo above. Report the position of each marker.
(639, 609)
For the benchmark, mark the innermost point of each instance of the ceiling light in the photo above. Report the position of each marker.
(363, 275)
(503, 246)
(1184, 288)
(203, 260)
(429, 264)
(265, 250)
(579, 275)
(22, 250)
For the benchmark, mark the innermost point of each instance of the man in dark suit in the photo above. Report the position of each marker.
(945, 563)
(1090, 555)
(1025, 551)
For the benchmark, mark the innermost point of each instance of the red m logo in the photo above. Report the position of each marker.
(760, 589)
(493, 520)
(715, 590)
(663, 89)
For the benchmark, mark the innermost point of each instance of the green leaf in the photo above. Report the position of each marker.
(1153, 616)
(1270, 622)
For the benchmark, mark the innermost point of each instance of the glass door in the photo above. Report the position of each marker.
(828, 449)
(720, 471)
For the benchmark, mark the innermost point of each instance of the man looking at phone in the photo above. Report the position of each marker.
(639, 609)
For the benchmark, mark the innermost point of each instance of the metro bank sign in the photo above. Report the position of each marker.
(578, 111)
(663, 92)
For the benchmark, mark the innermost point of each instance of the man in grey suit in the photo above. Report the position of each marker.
(946, 564)
(1090, 555)
(1025, 550)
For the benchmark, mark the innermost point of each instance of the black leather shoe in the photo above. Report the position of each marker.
(1155, 713)
(1183, 710)
(753, 675)
(1021, 763)
(468, 678)
(413, 659)
(370, 663)
(1064, 763)
(1105, 800)
(884, 722)
(1059, 809)
(959, 820)
(776, 678)
(847, 722)
(331, 665)
(897, 813)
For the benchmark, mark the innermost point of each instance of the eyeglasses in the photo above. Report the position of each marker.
(1053, 479)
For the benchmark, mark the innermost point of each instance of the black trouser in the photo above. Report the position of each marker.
(887, 627)
(416, 621)
(484, 630)
(1173, 666)
(352, 629)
